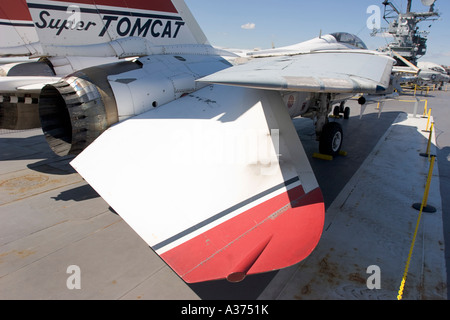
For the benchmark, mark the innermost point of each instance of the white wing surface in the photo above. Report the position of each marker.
(332, 71)
(217, 183)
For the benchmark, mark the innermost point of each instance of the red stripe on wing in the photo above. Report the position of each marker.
(272, 235)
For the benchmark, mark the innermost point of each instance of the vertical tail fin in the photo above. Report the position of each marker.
(16, 29)
(123, 28)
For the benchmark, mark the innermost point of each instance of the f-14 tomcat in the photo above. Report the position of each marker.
(199, 156)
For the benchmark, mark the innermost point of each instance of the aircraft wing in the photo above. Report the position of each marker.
(217, 183)
(332, 71)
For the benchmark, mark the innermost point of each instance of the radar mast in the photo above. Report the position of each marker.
(408, 41)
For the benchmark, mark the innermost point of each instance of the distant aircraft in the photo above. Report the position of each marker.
(432, 74)
(199, 156)
(424, 74)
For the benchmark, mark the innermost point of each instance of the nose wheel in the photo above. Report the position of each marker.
(331, 138)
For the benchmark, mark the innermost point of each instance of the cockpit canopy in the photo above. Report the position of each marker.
(438, 69)
(348, 38)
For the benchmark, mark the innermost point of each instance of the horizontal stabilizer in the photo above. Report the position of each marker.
(217, 183)
(333, 71)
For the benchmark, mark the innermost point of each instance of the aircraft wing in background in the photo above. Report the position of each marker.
(331, 71)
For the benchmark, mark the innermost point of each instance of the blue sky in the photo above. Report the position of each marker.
(285, 22)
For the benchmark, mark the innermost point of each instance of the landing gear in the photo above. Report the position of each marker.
(331, 138)
(341, 109)
(329, 134)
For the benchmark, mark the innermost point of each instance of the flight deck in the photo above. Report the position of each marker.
(60, 240)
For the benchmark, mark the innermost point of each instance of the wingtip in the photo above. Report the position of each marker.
(289, 237)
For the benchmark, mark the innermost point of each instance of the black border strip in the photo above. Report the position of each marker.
(17, 24)
(223, 213)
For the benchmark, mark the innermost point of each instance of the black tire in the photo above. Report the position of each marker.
(331, 139)
(346, 113)
(336, 111)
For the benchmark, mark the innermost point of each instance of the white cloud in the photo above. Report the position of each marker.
(248, 26)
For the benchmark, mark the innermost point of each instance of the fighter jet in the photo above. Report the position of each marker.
(424, 74)
(432, 74)
(199, 156)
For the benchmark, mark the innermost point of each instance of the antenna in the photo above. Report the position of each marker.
(390, 11)
(408, 8)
